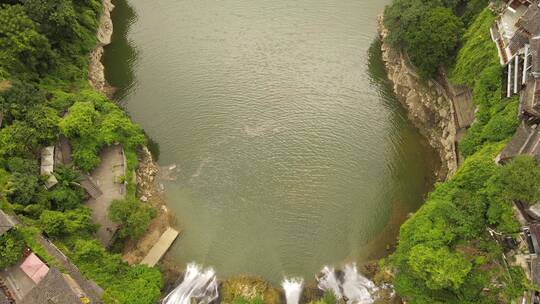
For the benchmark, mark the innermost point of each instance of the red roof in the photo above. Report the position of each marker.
(34, 268)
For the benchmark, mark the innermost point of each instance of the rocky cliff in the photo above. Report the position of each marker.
(96, 70)
(428, 105)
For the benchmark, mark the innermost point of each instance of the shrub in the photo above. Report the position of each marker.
(11, 248)
(67, 193)
(71, 223)
(122, 283)
(133, 216)
(433, 40)
(80, 120)
(24, 49)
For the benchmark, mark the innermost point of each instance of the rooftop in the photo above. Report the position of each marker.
(34, 268)
(509, 20)
(529, 21)
(55, 288)
(526, 141)
(530, 101)
(535, 53)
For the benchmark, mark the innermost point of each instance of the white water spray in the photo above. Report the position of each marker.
(199, 286)
(293, 290)
(353, 287)
(329, 281)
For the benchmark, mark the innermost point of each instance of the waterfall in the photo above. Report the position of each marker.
(329, 281)
(293, 290)
(352, 286)
(199, 286)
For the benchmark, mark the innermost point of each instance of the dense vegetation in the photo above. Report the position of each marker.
(429, 31)
(445, 252)
(44, 93)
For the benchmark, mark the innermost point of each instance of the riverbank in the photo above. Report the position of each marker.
(147, 187)
(145, 176)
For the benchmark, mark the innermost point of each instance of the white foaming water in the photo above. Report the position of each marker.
(353, 286)
(293, 290)
(199, 286)
(329, 281)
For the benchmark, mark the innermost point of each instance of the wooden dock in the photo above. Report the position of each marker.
(160, 248)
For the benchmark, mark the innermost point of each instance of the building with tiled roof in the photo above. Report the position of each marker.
(56, 288)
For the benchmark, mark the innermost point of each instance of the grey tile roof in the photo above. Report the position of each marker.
(518, 41)
(535, 53)
(3, 298)
(54, 288)
(530, 21)
(529, 101)
(526, 140)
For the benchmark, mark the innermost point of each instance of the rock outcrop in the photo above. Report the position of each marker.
(96, 70)
(428, 105)
(149, 192)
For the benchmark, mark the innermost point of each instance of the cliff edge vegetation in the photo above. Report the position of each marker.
(45, 96)
(449, 251)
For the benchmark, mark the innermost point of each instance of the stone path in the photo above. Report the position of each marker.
(108, 177)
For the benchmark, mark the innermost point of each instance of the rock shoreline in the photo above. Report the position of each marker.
(428, 105)
(145, 175)
(96, 69)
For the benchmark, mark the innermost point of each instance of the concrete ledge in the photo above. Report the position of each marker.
(160, 248)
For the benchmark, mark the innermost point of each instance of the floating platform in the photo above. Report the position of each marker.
(160, 248)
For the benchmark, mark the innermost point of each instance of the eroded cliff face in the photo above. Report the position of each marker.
(428, 105)
(96, 70)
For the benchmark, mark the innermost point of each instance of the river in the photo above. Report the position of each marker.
(293, 153)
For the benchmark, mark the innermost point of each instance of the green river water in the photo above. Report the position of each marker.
(293, 152)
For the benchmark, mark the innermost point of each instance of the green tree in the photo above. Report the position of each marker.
(53, 223)
(76, 222)
(80, 120)
(438, 267)
(11, 248)
(57, 18)
(132, 215)
(23, 47)
(67, 193)
(85, 153)
(117, 127)
(45, 119)
(433, 41)
(23, 183)
(519, 180)
(18, 99)
(18, 139)
(122, 283)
